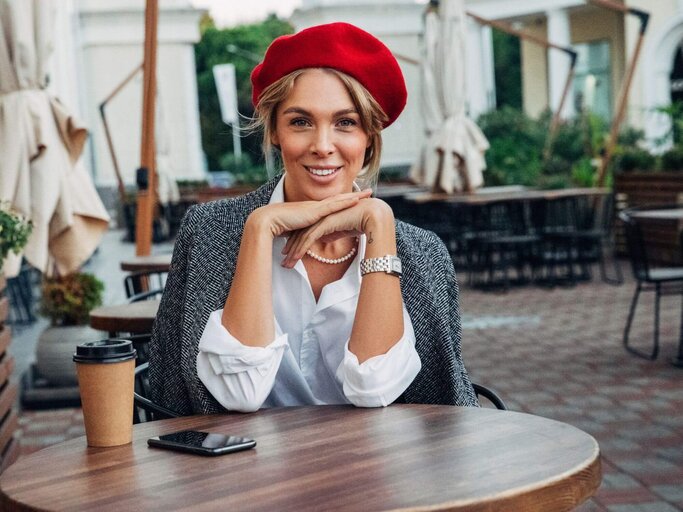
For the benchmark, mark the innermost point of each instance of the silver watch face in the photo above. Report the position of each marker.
(395, 265)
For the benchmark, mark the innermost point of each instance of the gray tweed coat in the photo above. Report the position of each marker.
(201, 273)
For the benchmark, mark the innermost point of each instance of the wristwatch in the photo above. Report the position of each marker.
(389, 264)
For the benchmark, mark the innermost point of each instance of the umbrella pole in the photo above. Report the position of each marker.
(625, 88)
(146, 175)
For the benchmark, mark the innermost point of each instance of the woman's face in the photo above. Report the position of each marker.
(320, 137)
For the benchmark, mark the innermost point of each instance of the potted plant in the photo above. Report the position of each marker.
(14, 232)
(67, 302)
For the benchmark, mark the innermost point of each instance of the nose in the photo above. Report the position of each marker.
(322, 143)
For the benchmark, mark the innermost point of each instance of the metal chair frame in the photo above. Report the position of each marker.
(648, 279)
(145, 409)
(490, 395)
(142, 281)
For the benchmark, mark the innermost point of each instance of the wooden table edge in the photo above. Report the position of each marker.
(521, 498)
(109, 323)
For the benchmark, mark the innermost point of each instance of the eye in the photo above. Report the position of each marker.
(299, 122)
(347, 122)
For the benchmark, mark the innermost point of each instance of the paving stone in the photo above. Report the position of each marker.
(618, 481)
(590, 506)
(655, 506)
(672, 493)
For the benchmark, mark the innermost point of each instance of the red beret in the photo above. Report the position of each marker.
(339, 46)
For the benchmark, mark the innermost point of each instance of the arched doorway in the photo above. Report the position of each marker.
(662, 62)
(676, 76)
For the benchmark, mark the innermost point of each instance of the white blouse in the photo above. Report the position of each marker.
(308, 362)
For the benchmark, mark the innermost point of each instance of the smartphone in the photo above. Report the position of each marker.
(201, 443)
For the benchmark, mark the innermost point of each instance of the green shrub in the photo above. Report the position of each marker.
(634, 159)
(68, 300)
(14, 232)
(583, 172)
(672, 160)
(516, 140)
(244, 170)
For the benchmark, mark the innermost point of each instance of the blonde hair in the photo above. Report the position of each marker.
(372, 118)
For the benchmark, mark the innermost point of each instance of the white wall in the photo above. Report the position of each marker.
(112, 37)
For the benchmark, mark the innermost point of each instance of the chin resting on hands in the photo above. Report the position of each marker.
(283, 218)
(366, 215)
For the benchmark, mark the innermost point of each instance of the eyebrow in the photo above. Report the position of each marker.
(298, 110)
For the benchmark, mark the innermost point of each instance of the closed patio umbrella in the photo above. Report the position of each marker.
(40, 144)
(453, 156)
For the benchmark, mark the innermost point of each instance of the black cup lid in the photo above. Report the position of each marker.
(105, 351)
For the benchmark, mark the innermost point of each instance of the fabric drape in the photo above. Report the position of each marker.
(452, 158)
(40, 145)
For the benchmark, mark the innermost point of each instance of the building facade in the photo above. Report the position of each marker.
(100, 42)
(605, 41)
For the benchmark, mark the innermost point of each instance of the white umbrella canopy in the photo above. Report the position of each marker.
(453, 157)
(40, 144)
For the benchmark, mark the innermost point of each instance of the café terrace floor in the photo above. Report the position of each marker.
(553, 352)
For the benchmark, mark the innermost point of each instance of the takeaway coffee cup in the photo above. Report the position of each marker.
(106, 375)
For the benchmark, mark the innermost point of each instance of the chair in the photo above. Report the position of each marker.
(21, 293)
(591, 235)
(145, 410)
(505, 241)
(490, 395)
(143, 281)
(148, 295)
(555, 220)
(648, 278)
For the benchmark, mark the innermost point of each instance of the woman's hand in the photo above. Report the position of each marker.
(283, 218)
(362, 218)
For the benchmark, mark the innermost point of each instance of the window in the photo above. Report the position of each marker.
(592, 79)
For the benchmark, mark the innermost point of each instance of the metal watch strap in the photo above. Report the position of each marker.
(388, 263)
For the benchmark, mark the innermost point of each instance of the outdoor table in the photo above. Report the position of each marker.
(389, 190)
(155, 263)
(483, 198)
(421, 457)
(663, 232)
(134, 318)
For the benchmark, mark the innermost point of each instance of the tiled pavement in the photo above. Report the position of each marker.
(555, 353)
(563, 359)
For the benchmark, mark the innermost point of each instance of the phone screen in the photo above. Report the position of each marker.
(207, 443)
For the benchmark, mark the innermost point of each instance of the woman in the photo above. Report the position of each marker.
(293, 294)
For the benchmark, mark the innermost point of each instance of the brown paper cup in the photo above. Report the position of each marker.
(107, 400)
(106, 388)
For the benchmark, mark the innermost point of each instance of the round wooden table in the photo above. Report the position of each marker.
(135, 318)
(421, 457)
(155, 263)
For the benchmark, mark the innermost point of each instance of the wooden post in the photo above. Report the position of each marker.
(625, 86)
(146, 177)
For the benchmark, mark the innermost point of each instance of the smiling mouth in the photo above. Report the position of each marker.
(317, 171)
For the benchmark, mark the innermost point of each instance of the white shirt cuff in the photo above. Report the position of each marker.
(380, 380)
(238, 376)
